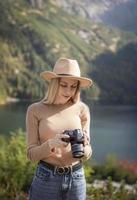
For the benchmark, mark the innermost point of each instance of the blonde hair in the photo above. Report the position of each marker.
(53, 89)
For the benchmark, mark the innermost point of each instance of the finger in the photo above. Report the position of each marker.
(85, 140)
(62, 131)
(64, 136)
(84, 143)
(65, 143)
(58, 136)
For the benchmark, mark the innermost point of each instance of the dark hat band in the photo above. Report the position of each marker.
(65, 74)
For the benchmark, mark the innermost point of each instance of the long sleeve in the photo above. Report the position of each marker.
(35, 150)
(85, 122)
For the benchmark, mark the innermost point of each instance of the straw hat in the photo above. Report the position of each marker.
(69, 69)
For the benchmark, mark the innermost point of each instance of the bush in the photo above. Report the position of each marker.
(112, 169)
(16, 170)
(109, 192)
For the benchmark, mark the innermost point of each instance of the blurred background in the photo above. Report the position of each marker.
(102, 36)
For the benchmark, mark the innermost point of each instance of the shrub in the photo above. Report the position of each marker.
(110, 192)
(16, 170)
(112, 169)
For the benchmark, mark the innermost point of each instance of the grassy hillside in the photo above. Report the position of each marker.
(31, 39)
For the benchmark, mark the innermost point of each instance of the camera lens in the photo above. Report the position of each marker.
(77, 150)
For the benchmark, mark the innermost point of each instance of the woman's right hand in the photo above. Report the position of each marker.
(57, 141)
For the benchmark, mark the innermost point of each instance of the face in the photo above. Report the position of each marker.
(67, 89)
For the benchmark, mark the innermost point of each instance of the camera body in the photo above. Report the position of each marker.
(76, 139)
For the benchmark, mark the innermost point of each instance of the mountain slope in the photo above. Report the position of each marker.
(33, 37)
(116, 77)
(89, 8)
(123, 16)
(116, 13)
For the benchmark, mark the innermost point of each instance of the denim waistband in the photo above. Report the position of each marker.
(61, 170)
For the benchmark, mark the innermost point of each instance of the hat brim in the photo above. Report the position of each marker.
(84, 82)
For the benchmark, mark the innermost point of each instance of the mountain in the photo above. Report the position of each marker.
(35, 33)
(123, 16)
(89, 8)
(116, 13)
(116, 75)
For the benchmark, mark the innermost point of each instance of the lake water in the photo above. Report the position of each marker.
(113, 129)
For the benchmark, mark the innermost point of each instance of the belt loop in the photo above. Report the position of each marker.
(71, 169)
(55, 169)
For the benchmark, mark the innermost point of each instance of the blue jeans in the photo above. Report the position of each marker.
(47, 185)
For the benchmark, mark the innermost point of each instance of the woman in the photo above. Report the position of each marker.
(58, 135)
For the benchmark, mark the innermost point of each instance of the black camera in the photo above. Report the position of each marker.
(76, 138)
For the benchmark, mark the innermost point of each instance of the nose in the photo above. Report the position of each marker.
(68, 91)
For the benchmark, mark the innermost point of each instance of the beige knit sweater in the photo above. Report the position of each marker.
(43, 122)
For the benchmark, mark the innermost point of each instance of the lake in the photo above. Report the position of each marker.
(113, 128)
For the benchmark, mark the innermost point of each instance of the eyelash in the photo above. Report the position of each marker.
(66, 86)
(74, 86)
